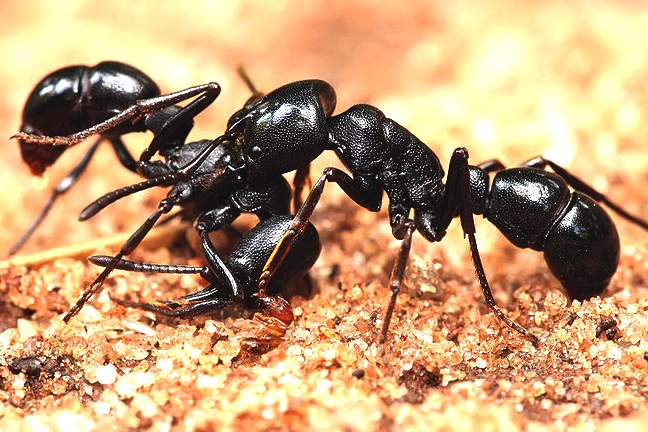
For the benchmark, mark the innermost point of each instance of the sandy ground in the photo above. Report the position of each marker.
(505, 79)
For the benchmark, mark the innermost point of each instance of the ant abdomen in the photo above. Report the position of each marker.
(76, 97)
(582, 248)
(535, 209)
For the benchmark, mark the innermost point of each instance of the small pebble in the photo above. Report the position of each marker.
(106, 374)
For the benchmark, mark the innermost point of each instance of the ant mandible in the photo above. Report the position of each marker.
(290, 126)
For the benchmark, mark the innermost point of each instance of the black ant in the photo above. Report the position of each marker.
(214, 180)
(110, 99)
(74, 98)
(533, 208)
(290, 126)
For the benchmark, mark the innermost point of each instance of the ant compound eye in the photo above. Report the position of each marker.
(255, 152)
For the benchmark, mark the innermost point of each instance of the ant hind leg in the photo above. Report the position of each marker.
(581, 186)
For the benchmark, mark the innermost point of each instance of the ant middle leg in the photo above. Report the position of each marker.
(396, 279)
(458, 196)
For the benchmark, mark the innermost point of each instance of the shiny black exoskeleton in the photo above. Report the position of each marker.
(76, 98)
(235, 280)
(532, 207)
(535, 209)
(289, 127)
(214, 180)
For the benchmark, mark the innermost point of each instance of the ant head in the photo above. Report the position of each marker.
(284, 130)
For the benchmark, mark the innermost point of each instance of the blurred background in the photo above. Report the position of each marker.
(506, 79)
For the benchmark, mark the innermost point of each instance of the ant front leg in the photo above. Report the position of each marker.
(208, 93)
(178, 308)
(216, 272)
(218, 268)
(361, 190)
(581, 186)
(458, 197)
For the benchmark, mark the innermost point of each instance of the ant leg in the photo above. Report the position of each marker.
(218, 267)
(204, 294)
(302, 177)
(581, 186)
(213, 220)
(177, 195)
(124, 156)
(164, 207)
(360, 190)
(167, 178)
(256, 94)
(459, 181)
(210, 292)
(142, 267)
(181, 118)
(396, 279)
(179, 310)
(141, 108)
(491, 165)
(105, 200)
(148, 169)
(170, 218)
(63, 186)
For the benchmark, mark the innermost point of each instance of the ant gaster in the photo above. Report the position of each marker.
(292, 125)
